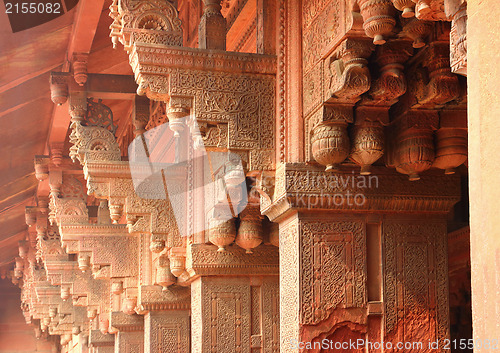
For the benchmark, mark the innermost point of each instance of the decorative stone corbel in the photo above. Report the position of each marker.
(330, 143)
(140, 114)
(418, 31)
(250, 231)
(79, 64)
(451, 140)
(372, 113)
(414, 148)
(378, 18)
(430, 10)
(435, 84)
(391, 82)
(141, 22)
(348, 76)
(59, 87)
(407, 6)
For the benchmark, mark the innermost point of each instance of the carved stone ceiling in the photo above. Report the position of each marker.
(26, 60)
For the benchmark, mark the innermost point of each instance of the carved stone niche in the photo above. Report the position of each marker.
(414, 142)
(451, 140)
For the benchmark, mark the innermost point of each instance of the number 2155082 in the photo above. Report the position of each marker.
(33, 8)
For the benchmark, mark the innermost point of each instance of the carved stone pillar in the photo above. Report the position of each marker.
(212, 30)
(457, 11)
(363, 275)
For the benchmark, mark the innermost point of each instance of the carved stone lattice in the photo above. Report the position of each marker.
(98, 114)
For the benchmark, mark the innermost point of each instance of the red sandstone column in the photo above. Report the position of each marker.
(483, 40)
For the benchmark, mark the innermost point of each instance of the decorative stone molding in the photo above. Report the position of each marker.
(303, 187)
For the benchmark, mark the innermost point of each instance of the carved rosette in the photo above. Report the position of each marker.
(222, 234)
(378, 20)
(414, 151)
(368, 145)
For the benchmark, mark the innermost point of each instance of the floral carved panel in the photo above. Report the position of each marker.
(333, 267)
(415, 280)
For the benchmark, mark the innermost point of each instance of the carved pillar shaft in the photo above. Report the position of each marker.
(212, 30)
